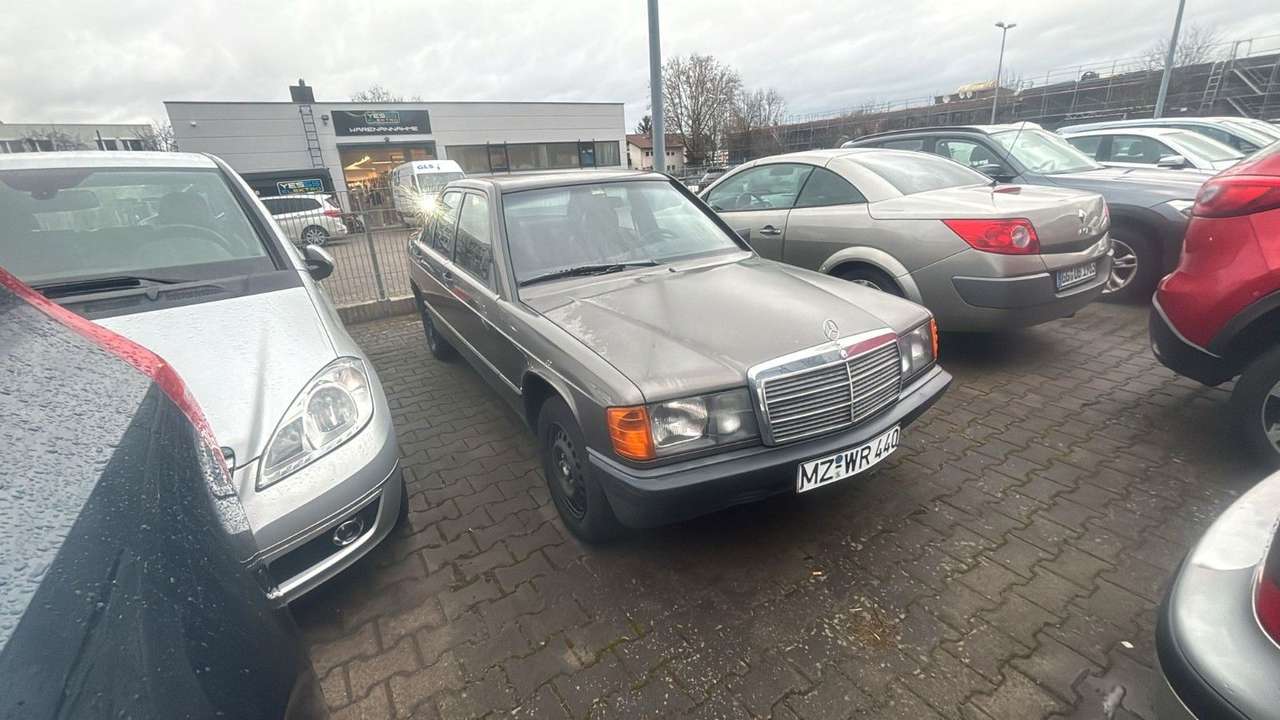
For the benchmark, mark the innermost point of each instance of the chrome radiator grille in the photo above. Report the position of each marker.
(831, 396)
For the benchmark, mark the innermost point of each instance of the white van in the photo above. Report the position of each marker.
(415, 185)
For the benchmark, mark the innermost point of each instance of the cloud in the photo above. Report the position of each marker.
(117, 61)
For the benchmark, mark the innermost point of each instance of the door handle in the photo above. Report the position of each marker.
(770, 230)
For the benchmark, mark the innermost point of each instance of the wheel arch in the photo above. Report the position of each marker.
(878, 260)
(536, 387)
(1250, 333)
(1147, 227)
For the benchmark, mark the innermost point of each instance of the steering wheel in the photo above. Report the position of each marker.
(203, 232)
(751, 198)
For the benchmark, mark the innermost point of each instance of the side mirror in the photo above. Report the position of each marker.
(745, 234)
(1173, 162)
(319, 262)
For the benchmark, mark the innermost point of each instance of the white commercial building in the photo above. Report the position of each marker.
(304, 145)
(53, 137)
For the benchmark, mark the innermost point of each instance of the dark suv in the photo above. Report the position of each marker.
(1148, 206)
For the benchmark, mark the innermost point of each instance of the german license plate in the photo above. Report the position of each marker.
(1076, 275)
(826, 470)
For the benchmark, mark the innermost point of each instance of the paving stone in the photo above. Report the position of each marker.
(364, 673)
(1019, 697)
(409, 692)
(528, 672)
(1055, 666)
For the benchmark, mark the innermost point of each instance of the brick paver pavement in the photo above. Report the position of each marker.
(1005, 563)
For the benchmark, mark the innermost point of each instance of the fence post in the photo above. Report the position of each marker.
(383, 299)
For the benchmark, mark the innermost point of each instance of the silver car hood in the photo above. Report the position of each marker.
(244, 359)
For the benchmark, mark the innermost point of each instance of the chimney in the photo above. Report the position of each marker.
(302, 92)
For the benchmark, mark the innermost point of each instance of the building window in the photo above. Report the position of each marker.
(586, 154)
(516, 157)
(105, 144)
(133, 145)
(472, 158)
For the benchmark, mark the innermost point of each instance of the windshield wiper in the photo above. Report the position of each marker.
(580, 270)
(85, 286)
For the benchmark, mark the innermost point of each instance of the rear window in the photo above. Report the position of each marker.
(60, 224)
(914, 172)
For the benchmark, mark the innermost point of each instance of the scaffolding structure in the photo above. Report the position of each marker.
(1241, 78)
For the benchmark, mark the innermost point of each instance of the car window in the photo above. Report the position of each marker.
(1137, 149)
(443, 222)
(966, 152)
(1206, 148)
(634, 221)
(765, 187)
(916, 144)
(1043, 152)
(473, 250)
(1226, 138)
(1088, 144)
(916, 172)
(827, 188)
(58, 224)
(273, 205)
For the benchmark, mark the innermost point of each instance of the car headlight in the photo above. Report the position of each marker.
(1182, 206)
(918, 349)
(647, 431)
(333, 407)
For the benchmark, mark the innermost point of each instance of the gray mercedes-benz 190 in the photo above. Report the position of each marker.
(667, 370)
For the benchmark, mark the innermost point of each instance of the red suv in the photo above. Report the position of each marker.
(1217, 316)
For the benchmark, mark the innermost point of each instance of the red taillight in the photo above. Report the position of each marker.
(1231, 195)
(1266, 599)
(147, 362)
(1007, 237)
(330, 212)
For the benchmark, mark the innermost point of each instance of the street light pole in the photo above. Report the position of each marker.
(655, 91)
(995, 97)
(1168, 61)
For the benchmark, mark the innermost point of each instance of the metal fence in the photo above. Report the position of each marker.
(368, 239)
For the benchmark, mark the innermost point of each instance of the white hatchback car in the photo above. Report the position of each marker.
(173, 251)
(1173, 148)
(307, 219)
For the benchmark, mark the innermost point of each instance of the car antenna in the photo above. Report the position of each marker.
(1008, 149)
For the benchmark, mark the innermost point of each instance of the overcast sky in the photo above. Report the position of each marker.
(115, 61)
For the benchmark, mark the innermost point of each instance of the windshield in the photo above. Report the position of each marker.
(1043, 152)
(1204, 147)
(60, 224)
(435, 182)
(1247, 132)
(558, 228)
(916, 172)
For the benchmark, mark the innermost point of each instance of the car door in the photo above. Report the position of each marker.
(830, 214)
(478, 313)
(755, 202)
(432, 253)
(1136, 151)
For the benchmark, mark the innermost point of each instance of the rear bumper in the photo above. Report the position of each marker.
(655, 496)
(1025, 300)
(1181, 355)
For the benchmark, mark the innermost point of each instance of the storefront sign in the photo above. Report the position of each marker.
(381, 122)
(305, 185)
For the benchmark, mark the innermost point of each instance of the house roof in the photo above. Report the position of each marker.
(645, 142)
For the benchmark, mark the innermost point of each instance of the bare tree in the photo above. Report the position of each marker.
(755, 120)
(159, 136)
(1196, 44)
(645, 126)
(377, 93)
(699, 94)
(53, 139)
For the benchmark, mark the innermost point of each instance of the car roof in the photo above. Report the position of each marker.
(1141, 131)
(535, 181)
(313, 196)
(931, 129)
(105, 159)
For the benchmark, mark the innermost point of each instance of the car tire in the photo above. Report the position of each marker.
(1255, 403)
(870, 277)
(1135, 266)
(440, 348)
(577, 495)
(315, 235)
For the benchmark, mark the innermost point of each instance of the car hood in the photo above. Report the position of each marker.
(1159, 184)
(700, 328)
(244, 359)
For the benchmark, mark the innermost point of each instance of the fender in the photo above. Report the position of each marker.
(1244, 321)
(536, 369)
(1166, 234)
(878, 259)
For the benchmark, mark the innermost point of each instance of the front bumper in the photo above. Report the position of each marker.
(1181, 355)
(647, 497)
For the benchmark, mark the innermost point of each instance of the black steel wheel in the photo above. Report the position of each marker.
(1256, 406)
(577, 495)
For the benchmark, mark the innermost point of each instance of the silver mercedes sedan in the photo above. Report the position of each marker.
(173, 251)
(981, 256)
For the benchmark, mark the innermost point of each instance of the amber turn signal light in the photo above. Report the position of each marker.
(629, 431)
(933, 332)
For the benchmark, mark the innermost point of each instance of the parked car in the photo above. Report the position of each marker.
(979, 256)
(416, 185)
(1217, 316)
(1242, 134)
(667, 369)
(308, 219)
(1171, 148)
(130, 582)
(1218, 629)
(215, 288)
(1148, 207)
